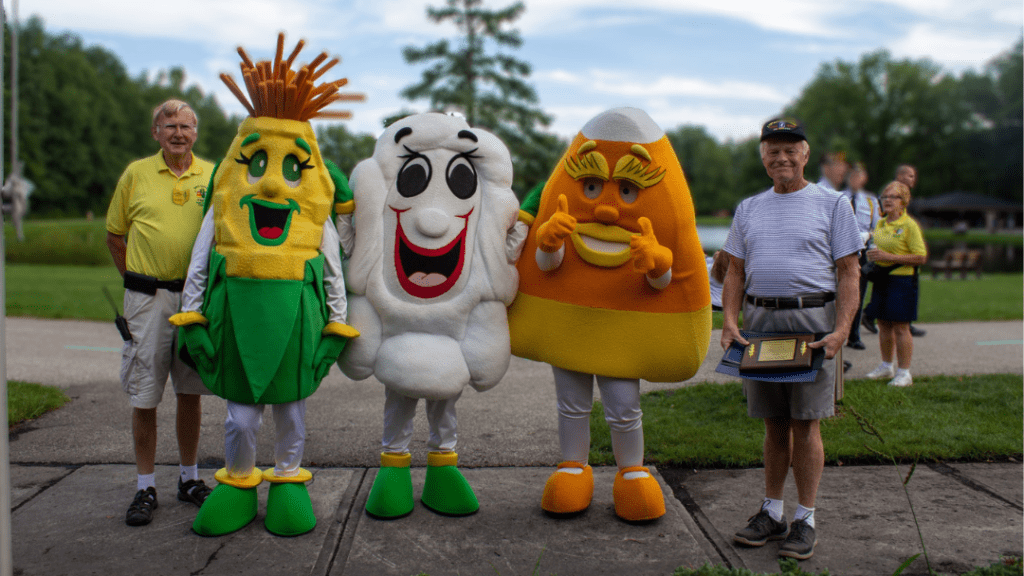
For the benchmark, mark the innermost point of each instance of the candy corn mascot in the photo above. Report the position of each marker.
(430, 276)
(264, 311)
(613, 287)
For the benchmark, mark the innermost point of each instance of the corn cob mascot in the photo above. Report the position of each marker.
(430, 276)
(613, 287)
(264, 311)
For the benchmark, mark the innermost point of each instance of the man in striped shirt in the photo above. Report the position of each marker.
(793, 266)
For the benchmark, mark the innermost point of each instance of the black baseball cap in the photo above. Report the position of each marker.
(783, 128)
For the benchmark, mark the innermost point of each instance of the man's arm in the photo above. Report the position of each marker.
(847, 300)
(118, 251)
(732, 299)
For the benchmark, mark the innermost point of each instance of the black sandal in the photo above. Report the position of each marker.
(140, 512)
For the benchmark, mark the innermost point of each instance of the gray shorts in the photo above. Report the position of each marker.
(796, 400)
(150, 356)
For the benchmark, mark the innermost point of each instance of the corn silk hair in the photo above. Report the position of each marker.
(277, 91)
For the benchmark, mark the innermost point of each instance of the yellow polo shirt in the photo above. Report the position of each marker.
(160, 214)
(902, 237)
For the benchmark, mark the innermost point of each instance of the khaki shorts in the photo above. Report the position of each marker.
(151, 355)
(796, 400)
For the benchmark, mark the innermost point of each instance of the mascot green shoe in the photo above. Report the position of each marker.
(391, 494)
(289, 509)
(230, 507)
(446, 490)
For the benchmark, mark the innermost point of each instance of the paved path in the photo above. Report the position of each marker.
(72, 479)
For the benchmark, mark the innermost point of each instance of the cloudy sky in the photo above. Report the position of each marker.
(728, 65)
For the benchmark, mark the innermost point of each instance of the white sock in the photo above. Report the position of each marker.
(189, 472)
(805, 514)
(146, 481)
(902, 371)
(886, 365)
(774, 508)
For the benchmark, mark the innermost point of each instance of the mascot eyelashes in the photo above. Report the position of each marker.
(430, 275)
(613, 287)
(264, 307)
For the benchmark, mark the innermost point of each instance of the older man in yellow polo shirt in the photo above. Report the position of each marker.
(152, 222)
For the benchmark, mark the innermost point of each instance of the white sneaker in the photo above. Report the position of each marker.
(902, 381)
(882, 372)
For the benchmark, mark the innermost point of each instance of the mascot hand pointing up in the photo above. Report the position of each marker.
(613, 288)
(263, 311)
(430, 277)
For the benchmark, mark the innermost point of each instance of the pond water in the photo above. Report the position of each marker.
(996, 257)
(712, 237)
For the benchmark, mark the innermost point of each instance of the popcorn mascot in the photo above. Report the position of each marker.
(429, 277)
(263, 315)
(613, 286)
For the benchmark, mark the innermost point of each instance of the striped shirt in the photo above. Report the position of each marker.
(789, 242)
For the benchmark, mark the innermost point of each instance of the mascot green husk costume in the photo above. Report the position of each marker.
(264, 310)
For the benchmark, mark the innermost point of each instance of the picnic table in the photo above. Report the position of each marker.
(960, 260)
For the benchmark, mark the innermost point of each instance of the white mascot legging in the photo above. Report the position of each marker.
(242, 424)
(621, 400)
(399, 411)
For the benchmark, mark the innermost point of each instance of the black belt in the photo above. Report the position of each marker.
(149, 284)
(789, 303)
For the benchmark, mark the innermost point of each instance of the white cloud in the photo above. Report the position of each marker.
(624, 85)
(953, 48)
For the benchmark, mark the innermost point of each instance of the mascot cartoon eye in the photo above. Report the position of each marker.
(461, 176)
(292, 169)
(592, 187)
(628, 191)
(414, 175)
(257, 165)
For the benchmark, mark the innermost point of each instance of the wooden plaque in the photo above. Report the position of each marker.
(788, 352)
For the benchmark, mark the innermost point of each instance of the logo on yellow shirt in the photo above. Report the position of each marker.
(200, 194)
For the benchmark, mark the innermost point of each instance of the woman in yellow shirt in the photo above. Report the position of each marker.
(898, 244)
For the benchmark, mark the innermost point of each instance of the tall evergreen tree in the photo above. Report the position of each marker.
(489, 88)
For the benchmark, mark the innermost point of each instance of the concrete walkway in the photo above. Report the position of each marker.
(73, 477)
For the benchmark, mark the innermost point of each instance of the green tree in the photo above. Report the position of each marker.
(995, 98)
(708, 169)
(960, 133)
(344, 148)
(82, 118)
(488, 87)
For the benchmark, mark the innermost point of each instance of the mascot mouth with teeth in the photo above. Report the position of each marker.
(430, 275)
(264, 306)
(613, 288)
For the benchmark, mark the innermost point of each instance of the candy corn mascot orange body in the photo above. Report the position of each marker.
(613, 287)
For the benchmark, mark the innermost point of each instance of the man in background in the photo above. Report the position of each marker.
(834, 169)
(866, 211)
(153, 219)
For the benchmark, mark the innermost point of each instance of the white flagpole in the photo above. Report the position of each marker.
(6, 558)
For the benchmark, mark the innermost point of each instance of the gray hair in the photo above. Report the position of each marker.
(172, 107)
(805, 147)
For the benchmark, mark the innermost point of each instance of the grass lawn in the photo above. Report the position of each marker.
(78, 242)
(26, 401)
(973, 418)
(62, 291)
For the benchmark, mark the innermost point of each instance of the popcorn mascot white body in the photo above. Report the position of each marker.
(430, 275)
